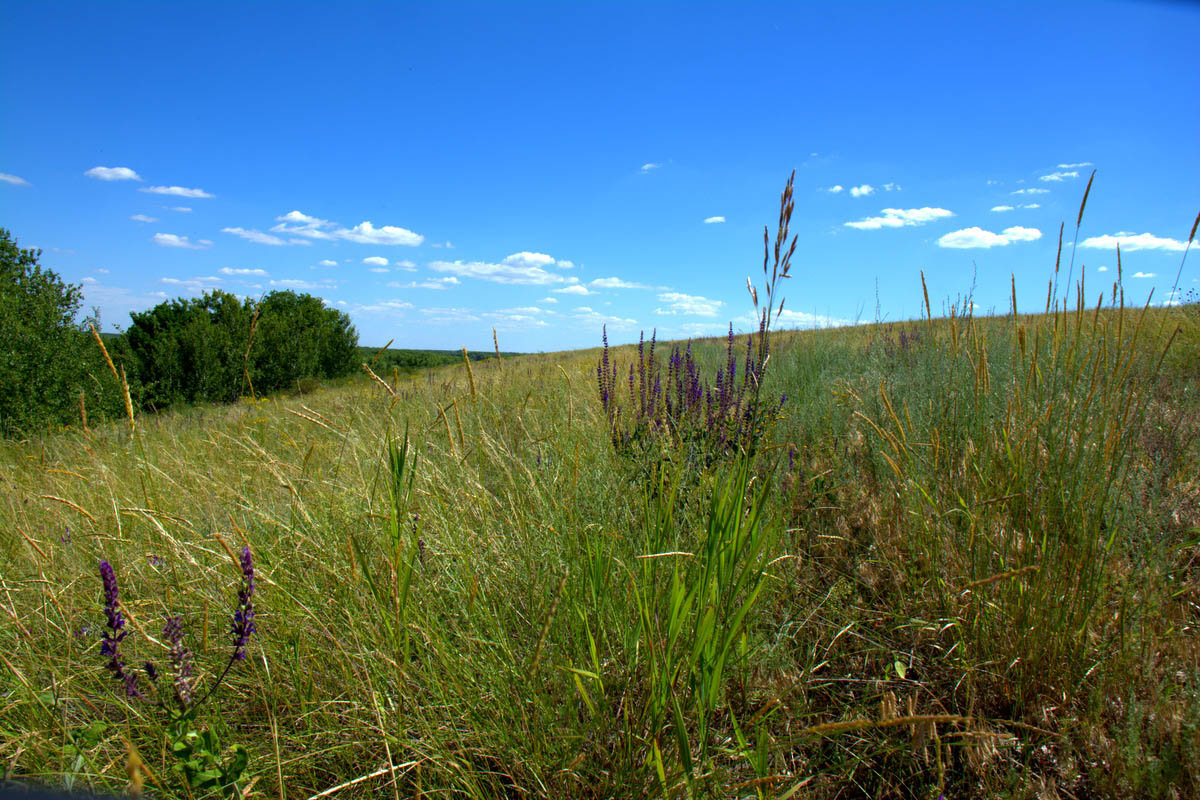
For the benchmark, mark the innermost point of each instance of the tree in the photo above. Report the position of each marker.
(192, 350)
(298, 337)
(38, 341)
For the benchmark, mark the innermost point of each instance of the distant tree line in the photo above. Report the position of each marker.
(409, 361)
(209, 349)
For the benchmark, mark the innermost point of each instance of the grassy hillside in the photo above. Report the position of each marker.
(961, 561)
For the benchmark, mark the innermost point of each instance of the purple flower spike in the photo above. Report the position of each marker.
(243, 617)
(181, 662)
(111, 640)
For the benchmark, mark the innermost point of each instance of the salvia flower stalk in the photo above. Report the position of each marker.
(110, 642)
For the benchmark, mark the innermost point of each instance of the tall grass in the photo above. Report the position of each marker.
(962, 561)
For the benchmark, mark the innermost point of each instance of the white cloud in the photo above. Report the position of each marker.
(327, 262)
(577, 288)
(527, 259)
(649, 166)
(616, 283)
(449, 315)
(1075, 166)
(177, 191)
(836, 189)
(14, 179)
(891, 187)
(1031, 205)
(89, 279)
(1101, 269)
(143, 218)
(992, 182)
(971, 238)
(1058, 177)
(679, 303)
(548, 300)
(1031, 191)
(194, 285)
(171, 240)
(255, 236)
(901, 217)
(292, 283)
(1145, 274)
(242, 271)
(1002, 208)
(113, 174)
(379, 269)
(431, 283)
(517, 272)
(384, 307)
(366, 233)
(102, 271)
(1130, 241)
(862, 191)
(405, 265)
(595, 319)
(712, 220)
(180, 209)
(563, 263)
(378, 261)
(300, 224)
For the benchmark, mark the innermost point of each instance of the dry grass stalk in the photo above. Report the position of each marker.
(496, 344)
(380, 381)
(66, 502)
(470, 374)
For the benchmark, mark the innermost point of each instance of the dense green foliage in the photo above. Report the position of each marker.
(407, 361)
(214, 348)
(217, 347)
(46, 361)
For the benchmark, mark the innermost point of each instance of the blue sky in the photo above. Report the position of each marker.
(437, 170)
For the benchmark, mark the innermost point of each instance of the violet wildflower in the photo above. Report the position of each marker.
(111, 640)
(181, 662)
(243, 617)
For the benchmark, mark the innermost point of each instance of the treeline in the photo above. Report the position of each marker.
(408, 361)
(208, 349)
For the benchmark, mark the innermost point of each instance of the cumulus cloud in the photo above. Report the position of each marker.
(241, 271)
(14, 179)
(1031, 205)
(1031, 191)
(836, 189)
(1101, 269)
(257, 237)
(971, 238)
(384, 306)
(862, 191)
(366, 233)
(176, 191)
(1002, 208)
(1145, 274)
(712, 220)
(577, 288)
(378, 261)
(900, 217)
(891, 187)
(616, 283)
(528, 259)
(171, 240)
(1140, 241)
(379, 269)
(449, 315)
(193, 285)
(1075, 166)
(113, 174)
(143, 218)
(650, 166)
(519, 268)
(431, 283)
(548, 300)
(180, 209)
(1058, 177)
(405, 265)
(298, 223)
(694, 305)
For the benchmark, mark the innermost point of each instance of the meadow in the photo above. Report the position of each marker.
(950, 557)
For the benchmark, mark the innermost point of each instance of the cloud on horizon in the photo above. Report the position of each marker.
(900, 218)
